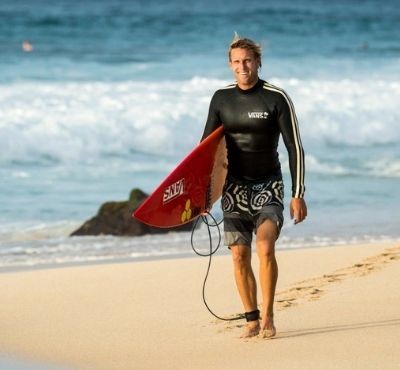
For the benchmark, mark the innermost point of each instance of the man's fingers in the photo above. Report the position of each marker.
(298, 210)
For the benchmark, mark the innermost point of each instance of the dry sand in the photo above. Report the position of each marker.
(336, 308)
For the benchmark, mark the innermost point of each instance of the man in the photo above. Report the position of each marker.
(254, 114)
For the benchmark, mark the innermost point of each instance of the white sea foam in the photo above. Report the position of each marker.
(351, 112)
(17, 232)
(20, 174)
(318, 166)
(58, 251)
(72, 121)
(384, 166)
(69, 122)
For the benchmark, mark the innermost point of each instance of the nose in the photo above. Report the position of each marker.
(242, 65)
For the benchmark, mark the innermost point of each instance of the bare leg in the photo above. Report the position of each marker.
(246, 285)
(267, 234)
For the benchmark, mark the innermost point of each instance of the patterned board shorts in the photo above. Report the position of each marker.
(247, 204)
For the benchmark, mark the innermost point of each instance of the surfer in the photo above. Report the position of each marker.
(254, 114)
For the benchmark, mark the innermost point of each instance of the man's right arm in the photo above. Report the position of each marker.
(213, 119)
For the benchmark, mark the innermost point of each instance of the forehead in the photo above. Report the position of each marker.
(241, 53)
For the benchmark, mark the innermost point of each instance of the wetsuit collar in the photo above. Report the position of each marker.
(254, 88)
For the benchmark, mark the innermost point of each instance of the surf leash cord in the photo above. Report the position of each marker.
(209, 255)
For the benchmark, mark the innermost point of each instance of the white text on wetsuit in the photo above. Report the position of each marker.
(263, 115)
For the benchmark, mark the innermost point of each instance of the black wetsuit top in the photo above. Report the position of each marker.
(253, 120)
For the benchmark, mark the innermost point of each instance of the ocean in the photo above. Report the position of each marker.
(99, 97)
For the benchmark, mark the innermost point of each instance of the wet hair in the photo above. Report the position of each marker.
(244, 43)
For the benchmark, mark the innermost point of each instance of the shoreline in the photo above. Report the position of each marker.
(222, 251)
(150, 314)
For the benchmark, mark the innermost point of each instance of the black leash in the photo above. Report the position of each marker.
(210, 254)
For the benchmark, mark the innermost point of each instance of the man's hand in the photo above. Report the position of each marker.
(298, 209)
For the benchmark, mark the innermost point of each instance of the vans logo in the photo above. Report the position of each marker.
(174, 190)
(262, 115)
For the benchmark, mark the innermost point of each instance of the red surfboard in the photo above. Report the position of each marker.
(191, 188)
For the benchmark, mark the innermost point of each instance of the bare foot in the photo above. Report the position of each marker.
(268, 329)
(251, 329)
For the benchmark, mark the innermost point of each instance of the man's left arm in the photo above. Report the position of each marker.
(291, 136)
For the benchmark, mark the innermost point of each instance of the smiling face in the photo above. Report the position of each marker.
(244, 65)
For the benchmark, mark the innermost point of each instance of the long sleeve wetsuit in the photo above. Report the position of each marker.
(253, 120)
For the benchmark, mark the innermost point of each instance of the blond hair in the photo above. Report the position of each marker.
(244, 43)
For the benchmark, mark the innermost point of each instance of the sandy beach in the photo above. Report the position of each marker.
(336, 308)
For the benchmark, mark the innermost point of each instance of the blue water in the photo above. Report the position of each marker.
(11, 363)
(114, 93)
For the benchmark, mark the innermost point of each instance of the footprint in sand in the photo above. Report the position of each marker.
(311, 289)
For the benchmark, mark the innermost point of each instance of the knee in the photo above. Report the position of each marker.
(266, 250)
(240, 258)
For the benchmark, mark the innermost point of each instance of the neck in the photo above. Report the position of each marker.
(248, 86)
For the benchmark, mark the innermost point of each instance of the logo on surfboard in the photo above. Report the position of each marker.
(174, 190)
(187, 213)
